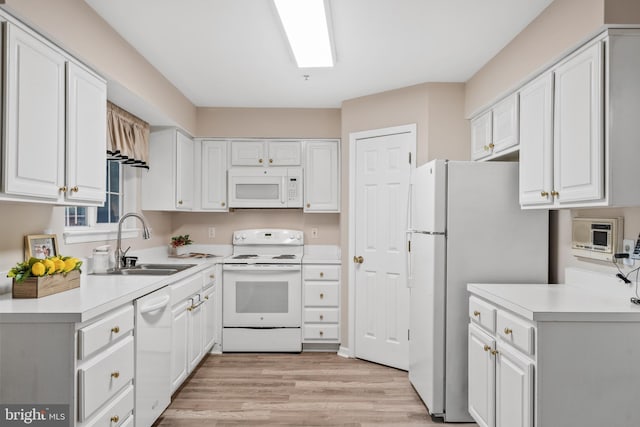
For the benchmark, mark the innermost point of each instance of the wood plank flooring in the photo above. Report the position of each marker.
(295, 389)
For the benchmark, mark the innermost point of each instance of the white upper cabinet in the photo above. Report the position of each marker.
(481, 136)
(214, 175)
(265, 153)
(578, 143)
(495, 130)
(86, 135)
(169, 182)
(55, 124)
(536, 141)
(505, 124)
(322, 176)
(34, 117)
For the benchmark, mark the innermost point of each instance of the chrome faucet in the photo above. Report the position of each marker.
(146, 234)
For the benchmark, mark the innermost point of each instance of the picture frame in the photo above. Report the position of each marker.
(40, 246)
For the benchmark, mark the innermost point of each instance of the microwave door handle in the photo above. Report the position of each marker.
(283, 193)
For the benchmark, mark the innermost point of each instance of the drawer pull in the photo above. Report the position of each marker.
(321, 274)
(212, 276)
(115, 419)
(508, 331)
(321, 333)
(487, 347)
(321, 317)
(115, 374)
(115, 329)
(259, 160)
(321, 296)
(270, 160)
(206, 297)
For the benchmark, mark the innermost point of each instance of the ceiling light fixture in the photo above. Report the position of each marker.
(306, 27)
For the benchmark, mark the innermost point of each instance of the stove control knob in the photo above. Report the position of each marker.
(298, 236)
(243, 237)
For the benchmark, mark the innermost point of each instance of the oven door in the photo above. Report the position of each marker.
(262, 295)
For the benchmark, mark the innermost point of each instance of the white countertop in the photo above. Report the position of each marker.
(559, 302)
(96, 294)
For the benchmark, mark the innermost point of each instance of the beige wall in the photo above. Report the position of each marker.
(560, 27)
(74, 25)
(269, 122)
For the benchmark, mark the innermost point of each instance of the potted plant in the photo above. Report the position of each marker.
(178, 245)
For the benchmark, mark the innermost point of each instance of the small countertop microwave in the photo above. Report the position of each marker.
(596, 238)
(272, 187)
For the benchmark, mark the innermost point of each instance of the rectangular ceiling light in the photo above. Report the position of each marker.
(305, 23)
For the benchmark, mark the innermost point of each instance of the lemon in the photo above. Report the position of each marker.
(59, 265)
(69, 264)
(38, 269)
(50, 266)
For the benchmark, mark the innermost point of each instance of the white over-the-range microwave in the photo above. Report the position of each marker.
(273, 187)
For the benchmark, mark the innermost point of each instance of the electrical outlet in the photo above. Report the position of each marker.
(627, 247)
(314, 233)
(212, 232)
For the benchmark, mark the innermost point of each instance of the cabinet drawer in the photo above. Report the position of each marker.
(185, 288)
(121, 409)
(321, 294)
(320, 332)
(105, 331)
(515, 331)
(321, 315)
(104, 376)
(321, 272)
(482, 313)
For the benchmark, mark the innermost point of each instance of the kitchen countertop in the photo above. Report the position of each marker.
(565, 302)
(97, 294)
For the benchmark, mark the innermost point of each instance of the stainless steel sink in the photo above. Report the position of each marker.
(148, 270)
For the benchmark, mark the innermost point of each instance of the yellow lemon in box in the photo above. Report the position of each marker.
(38, 269)
(69, 264)
(50, 266)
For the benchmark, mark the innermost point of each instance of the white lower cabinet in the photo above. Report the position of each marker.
(321, 304)
(179, 333)
(514, 388)
(195, 331)
(482, 378)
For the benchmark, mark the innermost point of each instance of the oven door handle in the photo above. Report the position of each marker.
(262, 268)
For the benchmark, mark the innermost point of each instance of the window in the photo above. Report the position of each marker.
(91, 224)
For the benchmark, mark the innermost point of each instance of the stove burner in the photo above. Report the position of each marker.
(284, 257)
(247, 256)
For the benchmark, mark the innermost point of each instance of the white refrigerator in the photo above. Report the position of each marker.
(466, 226)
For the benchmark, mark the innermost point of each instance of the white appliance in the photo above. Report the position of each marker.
(153, 356)
(262, 292)
(597, 238)
(466, 226)
(272, 187)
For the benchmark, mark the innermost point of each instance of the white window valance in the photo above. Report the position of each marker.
(128, 137)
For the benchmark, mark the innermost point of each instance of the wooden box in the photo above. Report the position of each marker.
(36, 287)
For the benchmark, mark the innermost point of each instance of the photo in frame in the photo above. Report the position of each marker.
(40, 246)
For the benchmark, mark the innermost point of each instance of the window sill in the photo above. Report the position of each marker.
(86, 236)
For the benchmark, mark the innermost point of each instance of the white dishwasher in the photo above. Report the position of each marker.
(153, 356)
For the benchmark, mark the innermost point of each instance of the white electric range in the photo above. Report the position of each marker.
(262, 292)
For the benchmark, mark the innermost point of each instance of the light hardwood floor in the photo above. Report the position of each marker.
(295, 389)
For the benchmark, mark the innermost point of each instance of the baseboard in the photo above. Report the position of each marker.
(344, 352)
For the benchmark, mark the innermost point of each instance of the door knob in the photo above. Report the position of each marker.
(358, 259)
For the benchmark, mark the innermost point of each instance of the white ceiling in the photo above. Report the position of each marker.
(233, 53)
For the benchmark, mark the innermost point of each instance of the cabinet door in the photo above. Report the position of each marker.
(536, 141)
(285, 153)
(86, 135)
(179, 335)
(482, 380)
(195, 333)
(247, 153)
(35, 117)
(514, 389)
(481, 136)
(505, 123)
(322, 176)
(578, 141)
(214, 175)
(184, 172)
(209, 318)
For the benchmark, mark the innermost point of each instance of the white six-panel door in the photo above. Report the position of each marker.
(381, 294)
